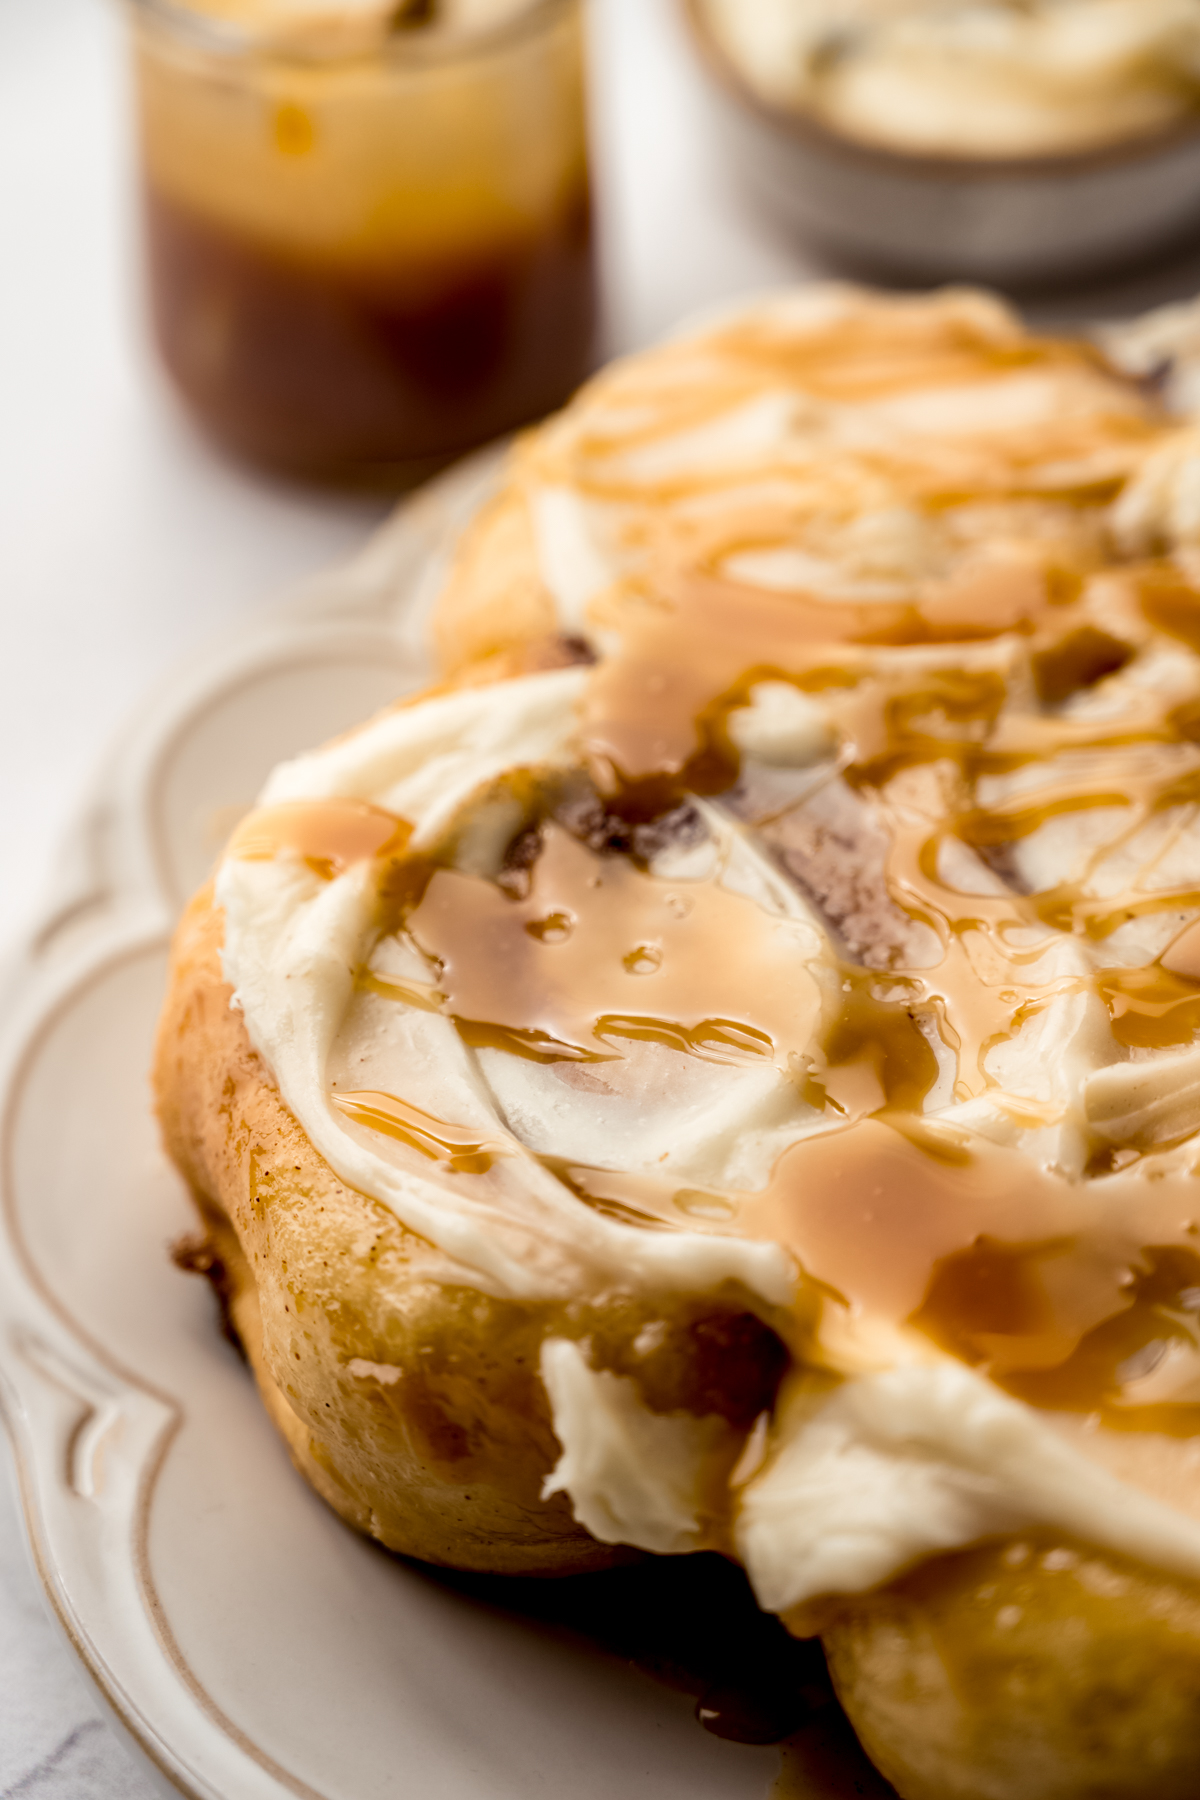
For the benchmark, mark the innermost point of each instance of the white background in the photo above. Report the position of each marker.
(125, 541)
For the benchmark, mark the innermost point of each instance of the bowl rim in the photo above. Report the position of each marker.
(813, 133)
(414, 50)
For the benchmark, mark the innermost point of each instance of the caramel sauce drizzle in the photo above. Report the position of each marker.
(1151, 1008)
(651, 1201)
(456, 1148)
(1072, 1293)
(328, 835)
(598, 954)
(868, 357)
(891, 1216)
(1066, 1298)
(425, 996)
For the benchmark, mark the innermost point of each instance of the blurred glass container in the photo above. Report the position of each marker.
(369, 249)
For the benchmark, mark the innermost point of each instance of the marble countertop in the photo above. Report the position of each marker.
(125, 541)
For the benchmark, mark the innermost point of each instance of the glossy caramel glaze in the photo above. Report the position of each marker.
(328, 837)
(1015, 676)
(931, 949)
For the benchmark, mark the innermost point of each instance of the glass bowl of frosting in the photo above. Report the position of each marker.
(367, 222)
(1017, 141)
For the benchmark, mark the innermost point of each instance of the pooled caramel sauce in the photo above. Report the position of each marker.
(691, 1624)
(825, 1761)
(874, 1042)
(1052, 1285)
(1151, 1008)
(656, 709)
(1077, 660)
(599, 954)
(328, 835)
(994, 1304)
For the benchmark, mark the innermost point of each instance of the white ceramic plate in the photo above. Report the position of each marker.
(252, 1645)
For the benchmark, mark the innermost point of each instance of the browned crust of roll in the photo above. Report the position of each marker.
(1034, 1669)
(494, 598)
(413, 1406)
(411, 1401)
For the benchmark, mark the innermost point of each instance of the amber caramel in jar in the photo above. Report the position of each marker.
(367, 227)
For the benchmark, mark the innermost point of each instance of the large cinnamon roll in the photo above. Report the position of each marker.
(722, 1070)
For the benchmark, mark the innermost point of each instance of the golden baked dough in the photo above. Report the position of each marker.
(726, 1075)
(413, 1407)
(495, 596)
(409, 1407)
(1030, 1668)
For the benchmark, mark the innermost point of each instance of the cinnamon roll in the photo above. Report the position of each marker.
(722, 1070)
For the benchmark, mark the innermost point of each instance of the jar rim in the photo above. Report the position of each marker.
(413, 50)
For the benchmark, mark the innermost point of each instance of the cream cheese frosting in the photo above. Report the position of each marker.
(833, 940)
(976, 78)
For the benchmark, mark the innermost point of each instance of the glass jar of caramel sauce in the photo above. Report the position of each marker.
(368, 224)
